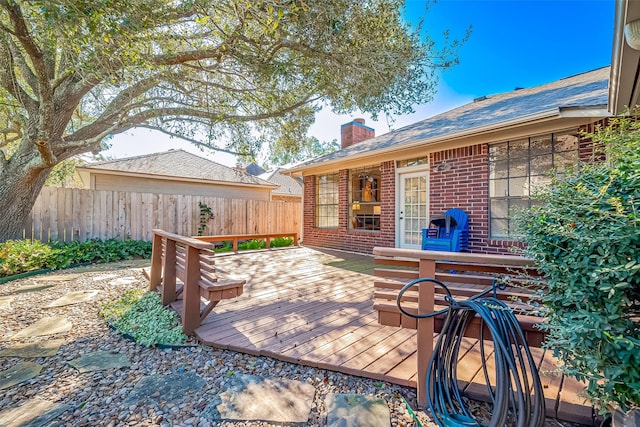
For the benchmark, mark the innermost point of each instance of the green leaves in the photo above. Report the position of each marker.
(142, 316)
(585, 237)
(18, 256)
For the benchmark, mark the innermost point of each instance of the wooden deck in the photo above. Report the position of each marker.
(316, 308)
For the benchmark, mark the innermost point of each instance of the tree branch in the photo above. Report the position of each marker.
(27, 72)
(9, 81)
(48, 157)
(180, 58)
(15, 130)
(216, 117)
(192, 141)
(40, 68)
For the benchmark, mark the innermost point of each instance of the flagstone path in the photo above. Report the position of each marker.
(62, 366)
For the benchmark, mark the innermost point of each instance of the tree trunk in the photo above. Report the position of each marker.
(21, 180)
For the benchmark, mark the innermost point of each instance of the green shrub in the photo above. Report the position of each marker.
(585, 237)
(19, 256)
(281, 242)
(226, 247)
(143, 317)
(252, 245)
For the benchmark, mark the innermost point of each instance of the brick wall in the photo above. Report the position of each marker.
(588, 150)
(462, 183)
(343, 238)
(354, 132)
(459, 178)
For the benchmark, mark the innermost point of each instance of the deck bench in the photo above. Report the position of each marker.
(465, 275)
(184, 266)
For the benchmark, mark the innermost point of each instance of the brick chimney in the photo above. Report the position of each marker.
(354, 132)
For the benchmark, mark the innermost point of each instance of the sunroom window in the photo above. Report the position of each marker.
(517, 168)
(327, 201)
(364, 198)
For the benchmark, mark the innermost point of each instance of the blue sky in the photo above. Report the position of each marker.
(513, 44)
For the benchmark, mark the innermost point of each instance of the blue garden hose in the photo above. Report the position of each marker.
(510, 395)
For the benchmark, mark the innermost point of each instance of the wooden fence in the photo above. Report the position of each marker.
(69, 214)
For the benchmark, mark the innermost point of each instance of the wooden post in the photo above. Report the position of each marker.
(191, 292)
(169, 280)
(268, 239)
(235, 244)
(426, 304)
(155, 276)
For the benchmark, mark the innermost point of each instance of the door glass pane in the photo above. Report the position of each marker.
(414, 209)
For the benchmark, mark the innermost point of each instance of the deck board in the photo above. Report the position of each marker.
(315, 308)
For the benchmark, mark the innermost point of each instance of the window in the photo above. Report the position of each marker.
(364, 198)
(327, 201)
(413, 162)
(517, 168)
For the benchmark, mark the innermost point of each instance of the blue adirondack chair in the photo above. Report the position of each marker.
(448, 232)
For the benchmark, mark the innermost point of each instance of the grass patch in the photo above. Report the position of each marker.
(142, 316)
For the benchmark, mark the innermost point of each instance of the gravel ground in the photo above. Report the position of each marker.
(98, 396)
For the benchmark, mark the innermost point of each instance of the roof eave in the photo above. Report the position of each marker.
(174, 178)
(624, 84)
(548, 114)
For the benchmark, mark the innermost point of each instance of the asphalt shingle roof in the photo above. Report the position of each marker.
(178, 164)
(584, 90)
(288, 186)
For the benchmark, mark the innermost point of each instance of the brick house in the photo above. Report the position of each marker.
(485, 157)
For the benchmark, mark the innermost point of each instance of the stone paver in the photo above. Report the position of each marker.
(250, 397)
(104, 277)
(100, 361)
(5, 302)
(45, 326)
(74, 298)
(20, 373)
(39, 349)
(57, 277)
(165, 387)
(32, 413)
(34, 287)
(124, 281)
(356, 410)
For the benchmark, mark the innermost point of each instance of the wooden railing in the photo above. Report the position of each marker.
(236, 238)
(465, 274)
(191, 261)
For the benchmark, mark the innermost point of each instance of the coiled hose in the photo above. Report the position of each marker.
(517, 390)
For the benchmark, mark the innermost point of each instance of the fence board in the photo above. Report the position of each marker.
(69, 214)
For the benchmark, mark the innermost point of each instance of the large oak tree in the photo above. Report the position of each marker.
(75, 72)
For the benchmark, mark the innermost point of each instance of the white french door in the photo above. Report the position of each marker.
(413, 208)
